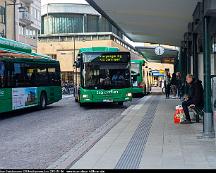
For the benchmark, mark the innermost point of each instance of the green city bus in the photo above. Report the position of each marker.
(27, 79)
(104, 76)
(140, 78)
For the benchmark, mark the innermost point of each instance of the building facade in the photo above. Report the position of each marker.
(29, 22)
(20, 20)
(7, 19)
(61, 48)
(74, 18)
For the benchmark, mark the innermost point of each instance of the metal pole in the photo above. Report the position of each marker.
(75, 70)
(180, 61)
(208, 124)
(14, 4)
(188, 57)
(5, 19)
(184, 63)
(195, 56)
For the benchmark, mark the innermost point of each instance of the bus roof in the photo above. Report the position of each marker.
(138, 61)
(6, 44)
(11, 48)
(99, 49)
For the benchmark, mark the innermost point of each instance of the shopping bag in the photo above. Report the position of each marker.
(179, 115)
(177, 119)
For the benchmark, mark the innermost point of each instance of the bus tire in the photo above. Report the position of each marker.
(43, 101)
(121, 103)
(82, 104)
(76, 100)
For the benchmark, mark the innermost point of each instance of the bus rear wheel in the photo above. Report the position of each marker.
(43, 101)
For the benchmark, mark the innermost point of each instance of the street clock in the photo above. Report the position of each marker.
(159, 50)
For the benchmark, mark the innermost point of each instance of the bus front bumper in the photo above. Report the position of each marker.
(138, 91)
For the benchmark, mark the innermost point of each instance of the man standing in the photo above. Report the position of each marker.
(193, 96)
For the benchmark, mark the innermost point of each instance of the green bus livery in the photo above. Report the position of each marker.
(140, 77)
(104, 75)
(27, 79)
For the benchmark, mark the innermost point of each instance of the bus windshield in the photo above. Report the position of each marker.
(2, 72)
(106, 75)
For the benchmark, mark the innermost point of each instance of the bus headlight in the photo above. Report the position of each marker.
(85, 96)
(129, 94)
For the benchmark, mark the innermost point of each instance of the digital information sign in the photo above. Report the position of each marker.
(122, 57)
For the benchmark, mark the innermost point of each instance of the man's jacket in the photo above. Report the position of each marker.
(195, 92)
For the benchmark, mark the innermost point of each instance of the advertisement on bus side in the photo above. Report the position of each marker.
(24, 97)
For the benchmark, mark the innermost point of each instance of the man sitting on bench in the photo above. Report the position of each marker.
(193, 96)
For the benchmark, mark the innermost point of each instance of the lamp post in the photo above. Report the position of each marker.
(21, 9)
(74, 58)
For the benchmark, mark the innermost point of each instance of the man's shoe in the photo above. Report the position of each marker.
(186, 122)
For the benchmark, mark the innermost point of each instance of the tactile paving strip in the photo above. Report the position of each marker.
(133, 153)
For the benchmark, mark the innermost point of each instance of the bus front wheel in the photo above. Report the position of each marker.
(120, 103)
(43, 100)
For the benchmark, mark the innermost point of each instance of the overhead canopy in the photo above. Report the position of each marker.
(155, 21)
(150, 54)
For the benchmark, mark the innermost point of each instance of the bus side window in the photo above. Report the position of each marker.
(42, 77)
(17, 76)
(54, 76)
(20, 75)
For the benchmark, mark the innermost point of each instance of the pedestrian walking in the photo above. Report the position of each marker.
(179, 85)
(167, 85)
(174, 85)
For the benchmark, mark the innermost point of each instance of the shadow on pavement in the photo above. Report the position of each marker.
(23, 112)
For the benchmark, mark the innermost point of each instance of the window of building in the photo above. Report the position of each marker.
(92, 23)
(104, 25)
(21, 30)
(2, 14)
(63, 23)
(54, 56)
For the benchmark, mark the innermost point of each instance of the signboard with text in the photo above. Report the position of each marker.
(121, 57)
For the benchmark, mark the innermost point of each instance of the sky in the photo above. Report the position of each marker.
(43, 2)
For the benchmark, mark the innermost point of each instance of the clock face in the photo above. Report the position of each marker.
(159, 50)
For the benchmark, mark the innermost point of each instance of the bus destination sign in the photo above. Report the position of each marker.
(107, 57)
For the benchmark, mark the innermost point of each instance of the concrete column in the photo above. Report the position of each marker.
(208, 124)
(195, 56)
(180, 61)
(188, 58)
(184, 63)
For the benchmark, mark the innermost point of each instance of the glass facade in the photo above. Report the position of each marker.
(76, 23)
(2, 14)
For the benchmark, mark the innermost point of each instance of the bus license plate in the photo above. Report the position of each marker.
(108, 101)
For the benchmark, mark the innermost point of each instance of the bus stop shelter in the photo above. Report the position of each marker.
(188, 24)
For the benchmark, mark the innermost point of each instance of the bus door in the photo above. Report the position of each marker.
(135, 74)
(77, 76)
(5, 93)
